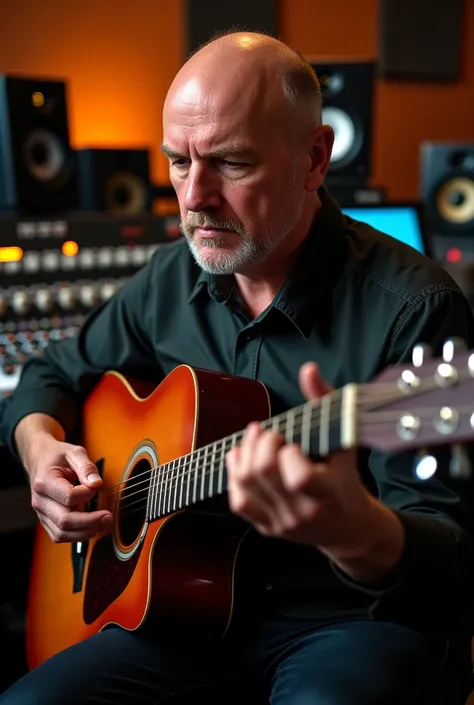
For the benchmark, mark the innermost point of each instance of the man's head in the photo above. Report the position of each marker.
(242, 130)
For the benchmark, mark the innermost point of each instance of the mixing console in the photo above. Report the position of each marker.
(53, 272)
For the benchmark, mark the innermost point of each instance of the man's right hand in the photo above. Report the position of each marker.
(62, 479)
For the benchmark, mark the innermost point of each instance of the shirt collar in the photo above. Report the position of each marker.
(318, 263)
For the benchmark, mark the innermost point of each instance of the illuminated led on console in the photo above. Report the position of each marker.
(10, 254)
(70, 248)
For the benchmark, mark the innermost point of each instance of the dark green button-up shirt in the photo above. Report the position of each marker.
(355, 302)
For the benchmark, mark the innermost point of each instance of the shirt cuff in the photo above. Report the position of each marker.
(22, 403)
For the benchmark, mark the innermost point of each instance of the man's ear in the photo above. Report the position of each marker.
(320, 149)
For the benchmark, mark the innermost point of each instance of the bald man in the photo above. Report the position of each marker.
(354, 580)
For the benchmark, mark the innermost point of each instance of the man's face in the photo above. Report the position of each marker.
(237, 179)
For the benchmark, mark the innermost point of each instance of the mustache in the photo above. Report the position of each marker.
(207, 220)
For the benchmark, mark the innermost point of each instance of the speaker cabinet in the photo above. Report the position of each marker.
(347, 91)
(207, 17)
(421, 40)
(447, 194)
(115, 180)
(37, 173)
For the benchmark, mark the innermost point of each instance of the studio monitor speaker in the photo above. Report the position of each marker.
(114, 180)
(447, 194)
(347, 92)
(37, 173)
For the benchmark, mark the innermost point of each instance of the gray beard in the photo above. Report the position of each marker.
(250, 250)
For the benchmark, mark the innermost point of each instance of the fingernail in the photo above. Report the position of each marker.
(93, 477)
(106, 520)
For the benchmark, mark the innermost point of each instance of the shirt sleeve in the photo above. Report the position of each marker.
(114, 336)
(435, 580)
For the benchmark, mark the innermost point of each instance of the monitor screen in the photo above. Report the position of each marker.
(402, 222)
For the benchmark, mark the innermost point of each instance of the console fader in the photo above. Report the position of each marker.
(54, 271)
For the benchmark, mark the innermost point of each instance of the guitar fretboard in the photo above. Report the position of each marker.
(317, 427)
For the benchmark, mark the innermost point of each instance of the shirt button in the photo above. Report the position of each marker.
(269, 586)
(250, 334)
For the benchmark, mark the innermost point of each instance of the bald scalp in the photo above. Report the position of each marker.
(256, 53)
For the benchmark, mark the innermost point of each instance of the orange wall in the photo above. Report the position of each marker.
(119, 58)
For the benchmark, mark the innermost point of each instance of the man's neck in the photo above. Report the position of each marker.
(259, 287)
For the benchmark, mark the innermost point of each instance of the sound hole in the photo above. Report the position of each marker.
(134, 501)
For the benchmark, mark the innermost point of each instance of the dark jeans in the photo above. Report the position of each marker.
(285, 661)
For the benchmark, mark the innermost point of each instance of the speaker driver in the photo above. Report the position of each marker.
(126, 193)
(346, 140)
(44, 155)
(455, 201)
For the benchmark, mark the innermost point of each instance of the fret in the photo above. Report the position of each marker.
(306, 429)
(182, 479)
(220, 475)
(149, 499)
(324, 425)
(162, 496)
(173, 486)
(169, 482)
(157, 493)
(188, 467)
(290, 427)
(275, 424)
(203, 473)
(211, 476)
(195, 478)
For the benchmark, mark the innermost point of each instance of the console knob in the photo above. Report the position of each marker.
(44, 300)
(66, 298)
(88, 295)
(3, 306)
(21, 302)
(108, 290)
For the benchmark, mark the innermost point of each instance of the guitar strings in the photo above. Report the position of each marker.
(140, 503)
(364, 390)
(207, 470)
(383, 392)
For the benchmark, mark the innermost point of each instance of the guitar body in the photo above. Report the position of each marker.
(176, 571)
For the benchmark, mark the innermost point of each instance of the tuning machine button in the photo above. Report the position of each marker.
(460, 467)
(425, 465)
(451, 347)
(421, 352)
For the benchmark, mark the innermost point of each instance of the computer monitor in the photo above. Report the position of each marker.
(402, 221)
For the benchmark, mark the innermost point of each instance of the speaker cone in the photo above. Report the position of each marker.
(126, 193)
(455, 200)
(346, 136)
(44, 155)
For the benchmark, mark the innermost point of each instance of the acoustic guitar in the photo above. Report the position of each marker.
(161, 453)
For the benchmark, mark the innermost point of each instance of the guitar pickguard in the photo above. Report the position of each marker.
(107, 578)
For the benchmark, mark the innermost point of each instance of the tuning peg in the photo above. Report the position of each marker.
(451, 347)
(420, 353)
(425, 465)
(460, 467)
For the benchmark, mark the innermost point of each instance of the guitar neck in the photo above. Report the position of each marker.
(318, 427)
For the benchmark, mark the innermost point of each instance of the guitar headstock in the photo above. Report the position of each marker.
(427, 403)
